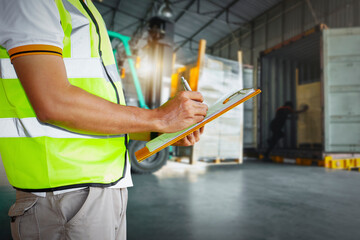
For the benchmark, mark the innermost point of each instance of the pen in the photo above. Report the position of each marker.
(185, 84)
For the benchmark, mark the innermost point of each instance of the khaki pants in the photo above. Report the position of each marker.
(90, 213)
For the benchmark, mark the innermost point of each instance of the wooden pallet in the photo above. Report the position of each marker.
(180, 159)
(357, 169)
(207, 160)
(351, 164)
(220, 160)
(297, 161)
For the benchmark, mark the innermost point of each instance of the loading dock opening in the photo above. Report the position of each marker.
(321, 68)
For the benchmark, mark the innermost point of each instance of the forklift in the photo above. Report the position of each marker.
(155, 86)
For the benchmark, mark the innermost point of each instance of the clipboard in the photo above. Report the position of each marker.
(224, 104)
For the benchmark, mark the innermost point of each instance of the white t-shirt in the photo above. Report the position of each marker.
(36, 25)
(29, 22)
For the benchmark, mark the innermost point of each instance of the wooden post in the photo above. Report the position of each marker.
(240, 60)
(252, 44)
(173, 62)
(255, 103)
(296, 96)
(195, 72)
(201, 53)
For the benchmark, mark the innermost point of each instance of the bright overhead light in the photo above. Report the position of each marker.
(165, 10)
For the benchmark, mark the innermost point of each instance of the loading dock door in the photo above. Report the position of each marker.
(341, 64)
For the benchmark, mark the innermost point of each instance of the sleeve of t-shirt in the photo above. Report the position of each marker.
(30, 27)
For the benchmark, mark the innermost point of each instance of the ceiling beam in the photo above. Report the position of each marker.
(248, 25)
(184, 10)
(106, 13)
(126, 27)
(184, 37)
(235, 14)
(143, 21)
(207, 24)
(118, 10)
(112, 27)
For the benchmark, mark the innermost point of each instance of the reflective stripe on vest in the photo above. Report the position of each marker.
(75, 68)
(43, 157)
(32, 127)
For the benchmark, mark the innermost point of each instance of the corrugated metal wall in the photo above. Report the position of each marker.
(286, 20)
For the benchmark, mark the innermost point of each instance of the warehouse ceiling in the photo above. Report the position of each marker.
(194, 19)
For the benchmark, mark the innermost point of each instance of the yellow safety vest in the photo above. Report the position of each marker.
(44, 157)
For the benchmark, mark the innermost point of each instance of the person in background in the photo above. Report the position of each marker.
(278, 123)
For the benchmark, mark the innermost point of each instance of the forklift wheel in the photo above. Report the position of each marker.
(149, 165)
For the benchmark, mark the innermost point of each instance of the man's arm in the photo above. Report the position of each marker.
(56, 101)
(303, 108)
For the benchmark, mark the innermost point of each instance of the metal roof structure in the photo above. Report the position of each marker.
(194, 19)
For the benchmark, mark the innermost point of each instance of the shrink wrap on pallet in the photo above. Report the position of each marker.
(222, 138)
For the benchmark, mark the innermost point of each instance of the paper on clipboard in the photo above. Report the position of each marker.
(222, 104)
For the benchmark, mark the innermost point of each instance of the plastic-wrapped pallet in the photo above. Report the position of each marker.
(223, 137)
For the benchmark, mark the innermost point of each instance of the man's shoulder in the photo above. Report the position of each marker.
(26, 22)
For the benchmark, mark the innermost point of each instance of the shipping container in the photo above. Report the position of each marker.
(319, 68)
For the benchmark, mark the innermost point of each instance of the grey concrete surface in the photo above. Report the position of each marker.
(7, 196)
(253, 201)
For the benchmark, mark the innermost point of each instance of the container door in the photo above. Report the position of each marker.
(341, 52)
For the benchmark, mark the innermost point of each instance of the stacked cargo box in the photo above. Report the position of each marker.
(223, 137)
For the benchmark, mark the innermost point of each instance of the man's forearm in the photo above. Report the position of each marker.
(56, 101)
(80, 110)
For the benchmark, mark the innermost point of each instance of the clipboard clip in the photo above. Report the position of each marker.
(242, 91)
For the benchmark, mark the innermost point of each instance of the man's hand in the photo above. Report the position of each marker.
(190, 139)
(303, 108)
(182, 111)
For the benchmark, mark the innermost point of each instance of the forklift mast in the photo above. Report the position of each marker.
(160, 51)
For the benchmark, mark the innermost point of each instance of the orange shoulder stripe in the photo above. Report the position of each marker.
(35, 49)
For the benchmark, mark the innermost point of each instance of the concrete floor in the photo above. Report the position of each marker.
(246, 202)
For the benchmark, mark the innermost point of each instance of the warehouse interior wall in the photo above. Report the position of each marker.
(285, 20)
